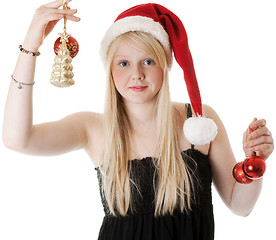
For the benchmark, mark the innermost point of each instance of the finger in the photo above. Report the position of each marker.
(69, 14)
(263, 150)
(55, 4)
(47, 15)
(257, 124)
(249, 127)
(259, 141)
(262, 131)
(64, 11)
(72, 18)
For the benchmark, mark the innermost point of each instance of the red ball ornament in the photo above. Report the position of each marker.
(72, 46)
(254, 167)
(239, 174)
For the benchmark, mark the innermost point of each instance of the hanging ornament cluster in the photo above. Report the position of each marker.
(66, 47)
(250, 169)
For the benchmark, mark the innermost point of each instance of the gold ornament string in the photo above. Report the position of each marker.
(64, 6)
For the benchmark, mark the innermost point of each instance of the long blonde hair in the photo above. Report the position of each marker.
(174, 186)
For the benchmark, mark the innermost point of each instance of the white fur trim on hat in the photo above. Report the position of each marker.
(200, 130)
(136, 23)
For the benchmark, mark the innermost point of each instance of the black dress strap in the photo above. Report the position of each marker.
(188, 110)
(189, 114)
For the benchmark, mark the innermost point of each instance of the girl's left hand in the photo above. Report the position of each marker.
(257, 138)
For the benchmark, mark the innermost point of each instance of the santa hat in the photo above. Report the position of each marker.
(168, 29)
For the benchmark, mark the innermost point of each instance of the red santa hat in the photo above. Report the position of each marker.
(168, 29)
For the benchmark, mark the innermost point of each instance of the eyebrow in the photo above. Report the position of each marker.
(127, 56)
(121, 56)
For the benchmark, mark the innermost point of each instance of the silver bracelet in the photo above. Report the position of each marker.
(20, 84)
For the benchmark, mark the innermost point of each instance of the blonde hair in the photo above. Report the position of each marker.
(173, 187)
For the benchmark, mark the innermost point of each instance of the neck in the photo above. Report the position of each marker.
(141, 116)
(143, 126)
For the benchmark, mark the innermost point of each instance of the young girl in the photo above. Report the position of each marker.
(155, 181)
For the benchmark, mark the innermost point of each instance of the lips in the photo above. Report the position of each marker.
(138, 88)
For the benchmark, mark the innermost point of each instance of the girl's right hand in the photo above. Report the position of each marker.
(44, 20)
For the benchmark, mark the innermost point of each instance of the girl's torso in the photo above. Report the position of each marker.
(142, 146)
(197, 224)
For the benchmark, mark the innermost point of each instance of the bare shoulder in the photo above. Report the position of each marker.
(90, 118)
(180, 111)
(208, 111)
(221, 144)
(85, 120)
(94, 127)
(179, 106)
(92, 123)
(86, 115)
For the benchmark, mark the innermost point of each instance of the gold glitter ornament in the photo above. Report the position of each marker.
(62, 75)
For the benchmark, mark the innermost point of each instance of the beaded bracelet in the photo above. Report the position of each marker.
(21, 83)
(28, 52)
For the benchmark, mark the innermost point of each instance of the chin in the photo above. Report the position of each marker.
(139, 100)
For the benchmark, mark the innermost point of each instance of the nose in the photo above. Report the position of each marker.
(137, 73)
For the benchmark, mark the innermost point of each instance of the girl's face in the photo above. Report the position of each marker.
(137, 77)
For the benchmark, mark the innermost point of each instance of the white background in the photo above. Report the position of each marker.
(233, 46)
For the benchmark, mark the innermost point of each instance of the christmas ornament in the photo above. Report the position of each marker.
(254, 167)
(66, 47)
(239, 174)
(251, 169)
(71, 44)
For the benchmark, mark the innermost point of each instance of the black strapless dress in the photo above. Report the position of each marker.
(197, 224)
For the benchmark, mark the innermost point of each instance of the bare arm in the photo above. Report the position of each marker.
(238, 197)
(19, 133)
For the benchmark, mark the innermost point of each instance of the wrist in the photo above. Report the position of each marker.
(34, 54)
(30, 45)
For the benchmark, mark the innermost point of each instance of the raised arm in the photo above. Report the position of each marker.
(19, 133)
(238, 197)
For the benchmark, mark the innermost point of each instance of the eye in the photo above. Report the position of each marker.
(149, 62)
(123, 64)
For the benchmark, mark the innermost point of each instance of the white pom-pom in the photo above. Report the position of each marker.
(200, 130)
